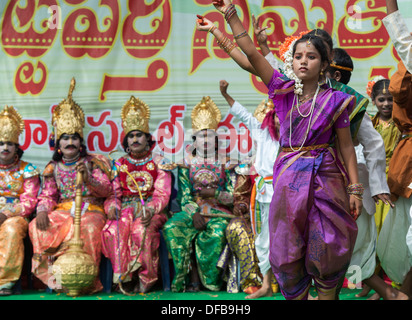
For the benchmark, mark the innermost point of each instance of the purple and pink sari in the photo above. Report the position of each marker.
(312, 233)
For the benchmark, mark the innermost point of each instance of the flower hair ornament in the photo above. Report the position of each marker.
(371, 83)
(286, 55)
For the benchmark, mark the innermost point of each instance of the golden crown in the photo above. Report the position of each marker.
(135, 116)
(206, 115)
(68, 117)
(11, 125)
(262, 109)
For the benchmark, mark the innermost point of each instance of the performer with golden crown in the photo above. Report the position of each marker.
(19, 186)
(205, 194)
(131, 235)
(52, 229)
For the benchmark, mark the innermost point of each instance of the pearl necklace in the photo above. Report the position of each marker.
(309, 114)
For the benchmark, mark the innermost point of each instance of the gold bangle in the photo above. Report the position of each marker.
(229, 50)
(357, 197)
(212, 28)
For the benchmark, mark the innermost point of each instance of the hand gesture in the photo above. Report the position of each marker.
(355, 206)
(111, 215)
(385, 198)
(81, 167)
(207, 193)
(203, 24)
(241, 210)
(199, 221)
(42, 221)
(145, 219)
(260, 33)
(221, 5)
(223, 84)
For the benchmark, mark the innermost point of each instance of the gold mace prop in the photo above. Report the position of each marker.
(76, 268)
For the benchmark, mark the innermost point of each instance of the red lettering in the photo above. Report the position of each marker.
(244, 140)
(142, 44)
(172, 130)
(19, 33)
(25, 79)
(38, 135)
(380, 71)
(157, 75)
(363, 45)
(327, 7)
(274, 20)
(230, 135)
(91, 41)
(99, 135)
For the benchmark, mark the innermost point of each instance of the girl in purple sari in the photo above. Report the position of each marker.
(316, 198)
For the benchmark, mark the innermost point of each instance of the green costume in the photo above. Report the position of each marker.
(183, 238)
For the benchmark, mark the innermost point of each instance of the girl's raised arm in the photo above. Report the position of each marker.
(263, 68)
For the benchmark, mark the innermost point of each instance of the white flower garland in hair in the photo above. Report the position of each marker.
(288, 56)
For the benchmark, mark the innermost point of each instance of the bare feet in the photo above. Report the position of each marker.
(262, 292)
(383, 290)
(375, 296)
(365, 291)
(193, 287)
(391, 294)
(397, 295)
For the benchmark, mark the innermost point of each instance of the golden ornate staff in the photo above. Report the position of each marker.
(76, 267)
(123, 276)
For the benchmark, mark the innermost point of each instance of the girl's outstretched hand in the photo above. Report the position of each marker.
(200, 19)
(221, 5)
(203, 24)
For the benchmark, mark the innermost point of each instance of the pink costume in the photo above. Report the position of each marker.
(57, 198)
(123, 237)
(19, 186)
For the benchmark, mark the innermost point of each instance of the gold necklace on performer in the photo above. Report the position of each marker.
(309, 114)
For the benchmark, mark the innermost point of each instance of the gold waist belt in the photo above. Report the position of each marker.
(307, 148)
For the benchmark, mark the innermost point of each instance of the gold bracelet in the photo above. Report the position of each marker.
(229, 50)
(357, 197)
(212, 28)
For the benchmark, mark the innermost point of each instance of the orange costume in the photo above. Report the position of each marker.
(19, 186)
